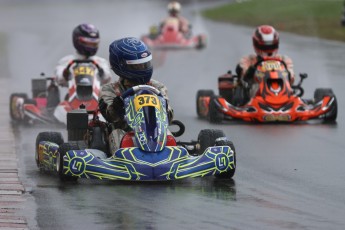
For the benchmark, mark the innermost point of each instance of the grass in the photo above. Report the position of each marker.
(319, 18)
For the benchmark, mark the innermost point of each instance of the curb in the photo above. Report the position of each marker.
(12, 191)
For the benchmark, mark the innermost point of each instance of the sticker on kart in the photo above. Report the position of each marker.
(280, 117)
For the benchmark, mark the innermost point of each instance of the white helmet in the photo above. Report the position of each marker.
(174, 7)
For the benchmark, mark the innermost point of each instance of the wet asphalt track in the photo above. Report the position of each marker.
(288, 176)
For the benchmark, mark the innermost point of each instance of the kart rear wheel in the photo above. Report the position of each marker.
(208, 138)
(200, 105)
(63, 149)
(17, 113)
(54, 137)
(228, 174)
(319, 94)
(214, 115)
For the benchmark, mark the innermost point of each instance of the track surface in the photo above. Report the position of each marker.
(288, 176)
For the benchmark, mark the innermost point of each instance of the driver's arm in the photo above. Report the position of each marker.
(112, 112)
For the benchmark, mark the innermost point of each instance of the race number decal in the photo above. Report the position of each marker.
(280, 117)
(146, 100)
(83, 70)
(270, 65)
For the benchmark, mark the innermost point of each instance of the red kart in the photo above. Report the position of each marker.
(169, 36)
(275, 99)
(45, 105)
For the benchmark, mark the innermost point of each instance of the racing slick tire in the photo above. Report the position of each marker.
(208, 138)
(228, 174)
(65, 147)
(200, 107)
(319, 94)
(54, 137)
(15, 113)
(214, 115)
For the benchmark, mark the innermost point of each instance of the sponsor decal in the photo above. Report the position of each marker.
(77, 166)
(279, 117)
(222, 162)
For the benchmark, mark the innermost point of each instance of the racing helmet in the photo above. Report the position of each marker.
(265, 41)
(130, 59)
(174, 8)
(86, 39)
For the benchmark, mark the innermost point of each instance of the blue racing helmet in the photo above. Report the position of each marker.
(130, 59)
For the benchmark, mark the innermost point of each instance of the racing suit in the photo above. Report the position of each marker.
(184, 25)
(63, 63)
(113, 111)
(246, 70)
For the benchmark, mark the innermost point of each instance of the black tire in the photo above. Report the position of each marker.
(319, 94)
(231, 173)
(13, 109)
(65, 147)
(214, 115)
(202, 93)
(207, 138)
(201, 43)
(54, 137)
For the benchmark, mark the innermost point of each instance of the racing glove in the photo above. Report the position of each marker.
(101, 72)
(66, 74)
(118, 106)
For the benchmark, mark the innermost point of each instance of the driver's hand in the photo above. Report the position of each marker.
(101, 72)
(118, 106)
(66, 74)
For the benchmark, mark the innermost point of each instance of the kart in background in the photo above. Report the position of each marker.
(45, 105)
(169, 36)
(275, 99)
(149, 152)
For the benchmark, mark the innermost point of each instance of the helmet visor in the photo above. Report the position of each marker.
(89, 42)
(266, 47)
(140, 64)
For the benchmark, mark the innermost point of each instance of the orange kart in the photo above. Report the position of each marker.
(275, 99)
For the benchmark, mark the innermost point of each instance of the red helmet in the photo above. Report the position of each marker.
(265, 41)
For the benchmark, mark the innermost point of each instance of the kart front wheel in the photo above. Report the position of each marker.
(214, 115)
(319, 94)
(201, 102)
(208, 138)
(63, 149)
(230, 173)
(54, 137)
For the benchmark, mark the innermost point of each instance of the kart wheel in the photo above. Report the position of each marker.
(201, 107)
(54, 137)
(214, 115)
(63, 149)
(208, 138)
(16, 107)
(201, 43)
(229, 174)
(319, 94)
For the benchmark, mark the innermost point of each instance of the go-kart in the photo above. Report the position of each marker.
(169, 36)
(274, 101)
(148, 151)
(45, 106)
